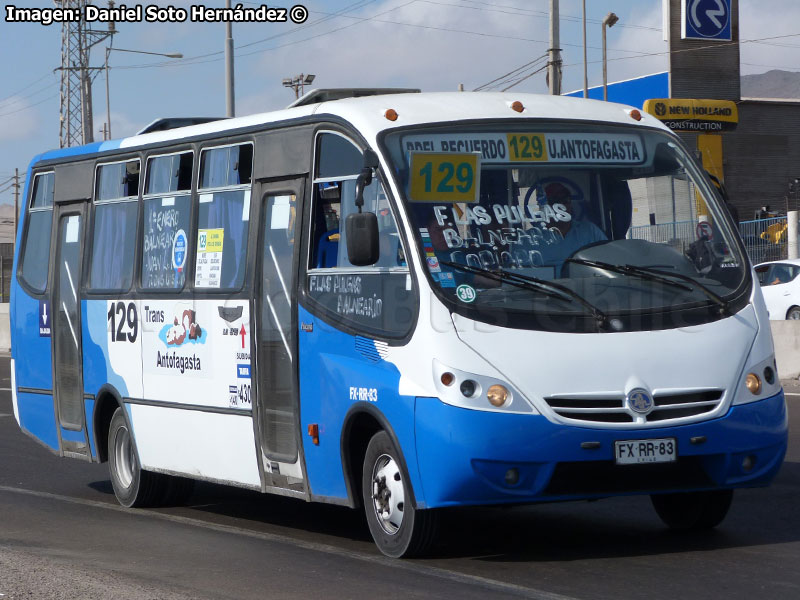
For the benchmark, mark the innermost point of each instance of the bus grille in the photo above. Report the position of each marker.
(668, 407)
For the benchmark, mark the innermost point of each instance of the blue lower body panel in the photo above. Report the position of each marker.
(38, 417)
(466, 457)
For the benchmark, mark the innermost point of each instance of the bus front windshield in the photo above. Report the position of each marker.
(533, 225)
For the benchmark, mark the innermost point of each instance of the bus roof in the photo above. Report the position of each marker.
(367, 114)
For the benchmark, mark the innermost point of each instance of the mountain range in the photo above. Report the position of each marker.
(772, 84)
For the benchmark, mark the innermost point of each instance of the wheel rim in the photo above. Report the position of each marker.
(123, 455)
(388, 494)
(794, 315)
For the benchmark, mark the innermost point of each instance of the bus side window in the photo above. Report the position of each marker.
(116, 208)
(36, 250)
(167, 211)
(223, 223)
(378, 300)
(338, 164)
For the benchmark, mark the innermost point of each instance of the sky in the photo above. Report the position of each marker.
(434, 45)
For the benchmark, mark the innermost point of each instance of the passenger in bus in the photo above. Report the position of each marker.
(577, 232)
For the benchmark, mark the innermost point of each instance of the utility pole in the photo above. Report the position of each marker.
(230, 107)
(585, 60)
(554, 65)
(76, 75)
(16, 187)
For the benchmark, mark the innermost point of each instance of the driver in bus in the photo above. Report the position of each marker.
(577, 232)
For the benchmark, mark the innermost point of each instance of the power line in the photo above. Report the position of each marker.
(521, 79)
(195, 60)
(792, 68)
(17, 99)
(25, 88)
(541, 14)
(5, 114)
(510, 74)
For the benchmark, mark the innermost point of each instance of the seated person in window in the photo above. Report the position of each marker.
(780, 275)
(576, 231)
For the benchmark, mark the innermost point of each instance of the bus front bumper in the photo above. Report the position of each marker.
(469, 457)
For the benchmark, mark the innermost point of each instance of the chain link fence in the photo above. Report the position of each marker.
(764, 239)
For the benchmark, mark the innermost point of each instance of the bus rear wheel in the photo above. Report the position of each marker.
(693, 511)
(133, 486)
(398, 528)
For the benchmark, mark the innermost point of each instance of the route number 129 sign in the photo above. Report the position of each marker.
(444, 177)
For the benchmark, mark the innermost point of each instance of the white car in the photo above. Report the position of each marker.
(781, 287)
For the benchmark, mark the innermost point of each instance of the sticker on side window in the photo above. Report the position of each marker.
(208, 269)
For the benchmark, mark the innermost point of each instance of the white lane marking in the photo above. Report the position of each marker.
(4, 415)
(784, 393)
(384, 561)
(2, 389)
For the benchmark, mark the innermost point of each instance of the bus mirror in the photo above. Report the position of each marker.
(365, 177)
(361, 231)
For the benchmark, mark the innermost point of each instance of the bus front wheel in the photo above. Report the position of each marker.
(693, 511)
(398, 528)
(133, 487)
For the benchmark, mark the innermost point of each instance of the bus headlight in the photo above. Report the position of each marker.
(497, 395)
(753, 384)
(758, 381)
(477, 392)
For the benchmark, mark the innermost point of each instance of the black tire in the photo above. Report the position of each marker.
(177, 490)
(133, 487)
(693, 511)
(793, 313)
(400, 530)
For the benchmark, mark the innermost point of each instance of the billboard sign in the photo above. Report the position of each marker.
(706, 20)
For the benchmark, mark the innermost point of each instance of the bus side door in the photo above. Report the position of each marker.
(65, 300)
(277, 398)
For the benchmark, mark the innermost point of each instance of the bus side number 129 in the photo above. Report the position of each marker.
(119, 315)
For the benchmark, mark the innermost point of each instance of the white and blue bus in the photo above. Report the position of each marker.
(401, 302)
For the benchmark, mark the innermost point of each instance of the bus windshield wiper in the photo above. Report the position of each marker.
(527, 282)
(652, 274)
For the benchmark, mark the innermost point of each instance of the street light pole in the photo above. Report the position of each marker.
(230, 108)
(609, 21)
(108, 95)
(298, 83)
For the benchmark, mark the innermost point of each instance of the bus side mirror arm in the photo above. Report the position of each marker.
(361, 228)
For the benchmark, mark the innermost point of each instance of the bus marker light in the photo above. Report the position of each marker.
(497, 395)
(313, 431)
(753, 383)
(635, 115)
(391, 114)
(517, 106)
(448, 379)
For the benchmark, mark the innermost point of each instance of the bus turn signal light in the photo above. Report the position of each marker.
(313, 431)
(448, 379)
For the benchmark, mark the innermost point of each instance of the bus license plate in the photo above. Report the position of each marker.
(634, 452)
